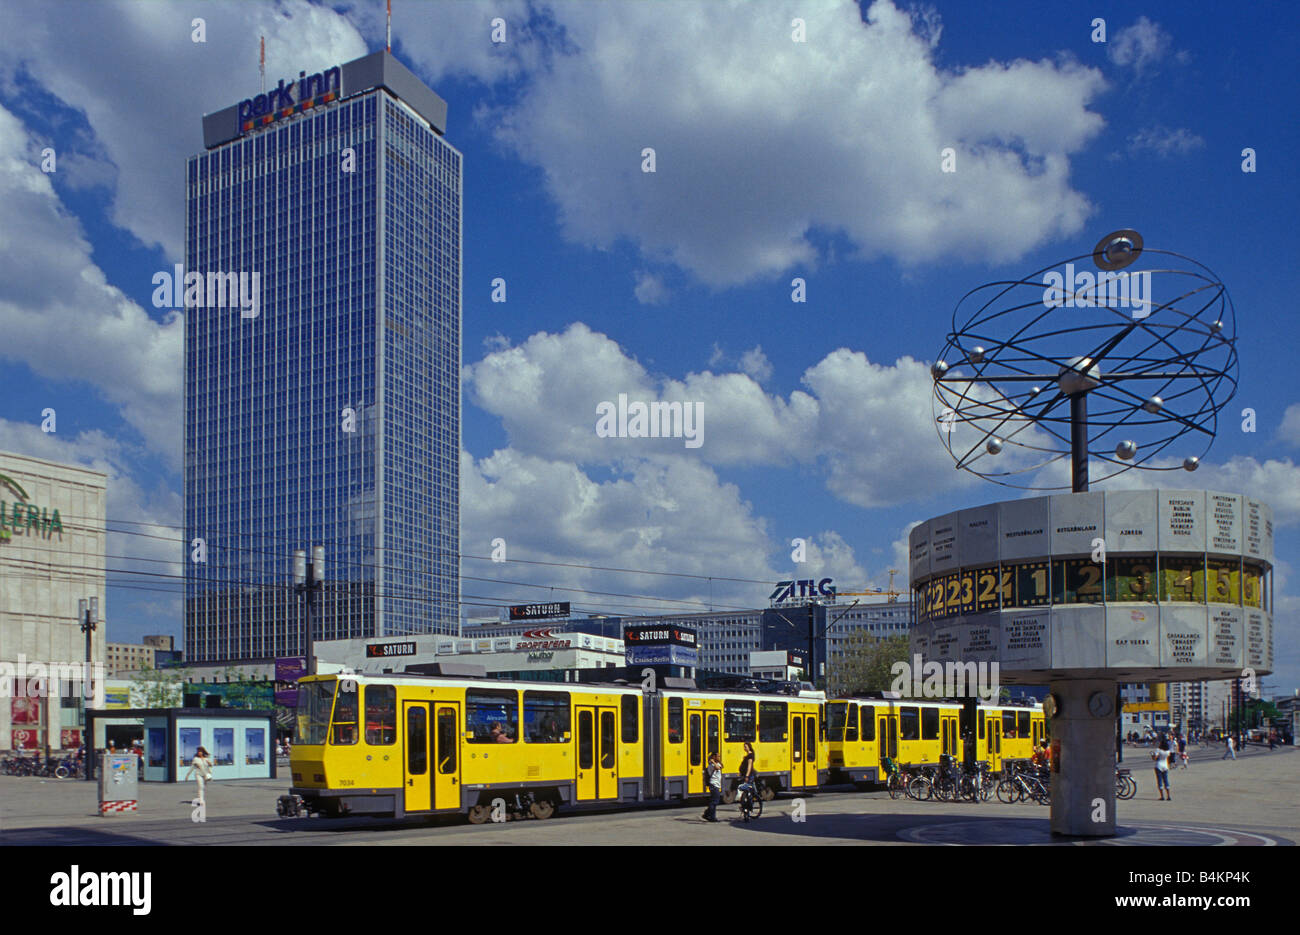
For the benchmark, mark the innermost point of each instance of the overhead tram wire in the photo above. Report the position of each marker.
(461, 555)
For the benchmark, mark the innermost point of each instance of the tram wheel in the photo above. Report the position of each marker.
(542, 809)
(479, 814)
(729, 797)
(766, 793)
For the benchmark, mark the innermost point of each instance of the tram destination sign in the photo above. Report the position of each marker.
(384, 650)
(539, 611)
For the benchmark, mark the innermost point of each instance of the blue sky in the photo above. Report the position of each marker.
(775, 159)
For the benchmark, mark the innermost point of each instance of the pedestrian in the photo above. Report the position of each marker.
(1161, 756)
(201, 769)
(1272, 741)
(279, 749)
(1182, 750)
(1231, 749)
(713, 777)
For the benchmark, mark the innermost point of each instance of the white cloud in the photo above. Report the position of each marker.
(1139, 46)
(760, 140)
(650, 289)
(1289, 430)
(755, 363)
(871, 425)
(147, 120)
(669, 516)
(63, 319)
(1165, 142)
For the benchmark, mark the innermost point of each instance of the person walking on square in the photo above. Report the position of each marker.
(1182, 750)
(201, 769)
(1231, 750)
(1162, 757)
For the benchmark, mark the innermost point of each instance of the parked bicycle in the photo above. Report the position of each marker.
(1020, 784)
(1125, 785)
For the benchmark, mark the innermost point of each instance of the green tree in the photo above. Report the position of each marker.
(160, 688)
(867, 663)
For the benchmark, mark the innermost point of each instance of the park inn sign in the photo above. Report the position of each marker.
(21, 516)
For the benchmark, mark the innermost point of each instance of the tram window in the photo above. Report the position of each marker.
(546, 717)
(868, 723)
(850, 725)
(446, 741)
(909, 723)
(796, 747)
(381, 714)
(1022, 723)
(981, 719)
(607, 740)
(1008, 724)
(345, 718)
(810, 740)
(314, 702)
(675, 720)
(695, 741)
(739, 717)
(771, 721)
(417, 740)
(486, 709)
(835, 721)
(585, 758)
(630, 718)
(929, 723)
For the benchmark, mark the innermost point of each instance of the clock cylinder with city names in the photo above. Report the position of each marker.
(1151, 584)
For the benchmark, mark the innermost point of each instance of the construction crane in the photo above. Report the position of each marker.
(890, 592)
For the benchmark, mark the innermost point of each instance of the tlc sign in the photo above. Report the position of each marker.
(320, 88)
(786, 590)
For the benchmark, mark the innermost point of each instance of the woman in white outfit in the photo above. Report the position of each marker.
(1163, 758)
(201, 770)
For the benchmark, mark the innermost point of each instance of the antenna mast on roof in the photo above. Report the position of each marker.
(390, 25)
(261, 61)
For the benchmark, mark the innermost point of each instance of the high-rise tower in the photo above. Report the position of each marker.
(333, 416)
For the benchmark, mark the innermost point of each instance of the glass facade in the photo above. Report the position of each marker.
(333, 417)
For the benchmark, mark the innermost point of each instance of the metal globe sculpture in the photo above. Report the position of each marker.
(1120, 356)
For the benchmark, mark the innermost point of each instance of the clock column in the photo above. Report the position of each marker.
(1083, 795)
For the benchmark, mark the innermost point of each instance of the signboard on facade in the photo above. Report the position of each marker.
(659, 634)
(539, 611)
(288, 669)
(385, 650)
(663, 654)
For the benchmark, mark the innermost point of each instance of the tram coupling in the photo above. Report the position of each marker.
(291, 806)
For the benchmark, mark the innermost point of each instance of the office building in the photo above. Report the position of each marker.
(52, 548)
(324, 408)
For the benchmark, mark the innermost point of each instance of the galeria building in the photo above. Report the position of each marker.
(52, 546)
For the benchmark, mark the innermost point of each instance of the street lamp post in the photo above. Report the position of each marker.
(88, 612)
(308, 577)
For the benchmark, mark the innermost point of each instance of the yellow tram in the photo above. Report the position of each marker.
(862, 732)
(402, 744)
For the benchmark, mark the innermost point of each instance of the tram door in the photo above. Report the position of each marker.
(695, 767)
(887, 734)
(993, 742)
(597, 754)
(415, 716)
(446, 756)
(803, 750)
